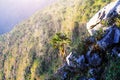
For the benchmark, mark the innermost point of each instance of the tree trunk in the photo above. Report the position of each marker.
(62, 51)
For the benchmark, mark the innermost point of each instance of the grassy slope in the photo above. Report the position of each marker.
(26, 52)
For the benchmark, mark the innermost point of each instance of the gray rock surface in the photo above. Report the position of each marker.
(93, 72)
(94, 59)
(92, 62)
(76, 62)
(108, 12)
(116, 51)
(112, 36)
(92, 78)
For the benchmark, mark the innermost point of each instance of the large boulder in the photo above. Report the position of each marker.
(92, 78)
(77, 62)
(92, 62)
(111, 37)
(108, 12)
(90, 40)
(116, 51)
(94, 59)
(93, 72)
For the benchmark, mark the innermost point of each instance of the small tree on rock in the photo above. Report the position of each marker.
(59, 41)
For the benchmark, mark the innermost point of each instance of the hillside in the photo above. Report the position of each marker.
(26, 52)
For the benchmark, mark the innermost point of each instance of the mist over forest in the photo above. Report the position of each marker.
(13, 12)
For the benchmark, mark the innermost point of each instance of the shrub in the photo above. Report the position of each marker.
(99, 34)
(113, 71)
(60, 40)
(117, 21)
(104, 22)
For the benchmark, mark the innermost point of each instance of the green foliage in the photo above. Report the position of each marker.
(59, 40)
(117, 21)
(79, 33)
(1, 75)
(108, 22)
(113, 70)
(28, 54)
(99, 34)
(105, 23)
(53, 77)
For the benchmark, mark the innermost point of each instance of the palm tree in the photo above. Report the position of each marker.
(59, 41)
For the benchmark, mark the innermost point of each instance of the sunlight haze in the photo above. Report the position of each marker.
(14, 11)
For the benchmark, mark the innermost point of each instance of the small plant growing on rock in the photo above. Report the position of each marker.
(59, 41)
(104, 22)
(117, 21)
(99, 34)
(109, 22)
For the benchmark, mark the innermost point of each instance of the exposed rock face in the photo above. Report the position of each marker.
(116, 51)
(92, 79)
(92, 61)
(110, 11)
(93, 72)
(112, 36)
(76, 62)
(118, 9)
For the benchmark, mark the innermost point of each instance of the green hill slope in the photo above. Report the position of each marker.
(26, 53)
